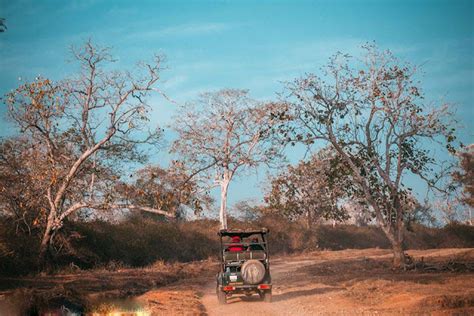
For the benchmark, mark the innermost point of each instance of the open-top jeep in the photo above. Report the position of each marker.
(245, 264)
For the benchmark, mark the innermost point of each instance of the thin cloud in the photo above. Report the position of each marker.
(175, 82)
(192, 29)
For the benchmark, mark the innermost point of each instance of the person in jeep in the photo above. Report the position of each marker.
(254, 245)
(235, 248)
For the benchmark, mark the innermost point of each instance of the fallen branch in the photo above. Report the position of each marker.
(450, 266)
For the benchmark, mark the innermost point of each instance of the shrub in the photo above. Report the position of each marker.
(139, 241)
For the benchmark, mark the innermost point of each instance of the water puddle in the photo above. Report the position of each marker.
(60, 306)
(127, 306)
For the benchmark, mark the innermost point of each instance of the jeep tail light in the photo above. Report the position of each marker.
(264, 287)
(228, 288)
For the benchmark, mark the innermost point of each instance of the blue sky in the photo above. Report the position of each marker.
(242, 44)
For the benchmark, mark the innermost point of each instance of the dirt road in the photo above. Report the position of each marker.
(347, 282)
(357, 282)
(243, 305)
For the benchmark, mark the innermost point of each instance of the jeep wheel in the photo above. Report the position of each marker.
(267, 296)
(253, 271)
(221, 296)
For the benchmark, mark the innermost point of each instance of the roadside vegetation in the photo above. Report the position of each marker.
(138, 242)
(67, 198)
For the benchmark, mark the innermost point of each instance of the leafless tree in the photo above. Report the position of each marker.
(247, 210)
(19, 189)
(168, 189)
(222, 134)
(80, 124)
(357, 212)
(464, 176)
(376, 118)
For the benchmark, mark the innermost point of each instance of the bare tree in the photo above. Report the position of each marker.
(357, 212)
(168, 189)
(312, 190)
(247, 210)
(464, 176)
(451, 210)
(377, 120)
(19, 189)
(81, 124)
(224, 133)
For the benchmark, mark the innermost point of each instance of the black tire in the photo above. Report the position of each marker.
(267, 296)
(221, 296)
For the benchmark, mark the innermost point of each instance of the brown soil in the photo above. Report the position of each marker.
(352, 282)
(103, 291)
(343, 282)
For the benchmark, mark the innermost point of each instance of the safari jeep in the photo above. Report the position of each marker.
(245, 265)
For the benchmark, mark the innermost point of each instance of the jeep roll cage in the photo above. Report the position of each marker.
(245, 265)
(243, 234)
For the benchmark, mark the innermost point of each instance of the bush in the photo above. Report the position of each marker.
(140, 241)
(351, 236)
(453, 235)
(18, 251)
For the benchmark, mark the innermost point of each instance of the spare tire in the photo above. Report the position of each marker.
(253, 272)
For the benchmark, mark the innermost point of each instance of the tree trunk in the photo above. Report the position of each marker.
(44, 246)
(398, 255)
(396, 238)
(46, 240)
(223, 210)
(399, 259)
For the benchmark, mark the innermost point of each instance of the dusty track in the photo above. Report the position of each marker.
(348, 282)
(356, 282)
(242, 305)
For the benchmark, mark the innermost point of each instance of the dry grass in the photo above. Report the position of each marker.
(140, 242)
